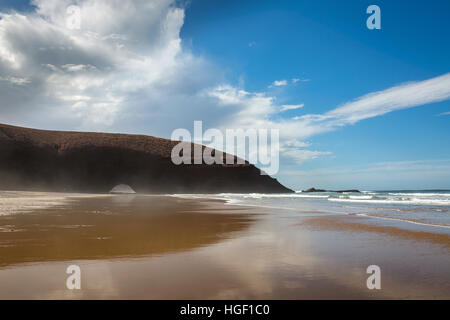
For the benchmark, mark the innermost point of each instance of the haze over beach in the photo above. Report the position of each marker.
(224, 150)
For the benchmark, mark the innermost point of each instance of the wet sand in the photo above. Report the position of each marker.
(162, 247)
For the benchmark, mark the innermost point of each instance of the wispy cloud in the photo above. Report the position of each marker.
(433, 165)
(295, 80)
(16, 80)
(301, 155)
(399, 97)
(377, 175)
(374, 104)
(291, 107)
(444, 113)
(280, 83)
(77, 67)
(259, 109)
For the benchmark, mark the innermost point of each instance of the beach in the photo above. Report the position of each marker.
(221, 246)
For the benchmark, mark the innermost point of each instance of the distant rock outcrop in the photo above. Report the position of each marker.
(96, 162)
(322, 190)
(314, 190)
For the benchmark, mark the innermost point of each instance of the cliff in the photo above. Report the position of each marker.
(33, 159)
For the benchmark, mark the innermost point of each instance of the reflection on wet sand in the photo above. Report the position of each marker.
(351, 224)
(118, 226)
(151, 247)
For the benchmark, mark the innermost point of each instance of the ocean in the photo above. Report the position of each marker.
(422, 207)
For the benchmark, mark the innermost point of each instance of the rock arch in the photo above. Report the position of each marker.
(122, 189)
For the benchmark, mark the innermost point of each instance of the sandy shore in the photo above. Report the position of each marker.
(162, 247)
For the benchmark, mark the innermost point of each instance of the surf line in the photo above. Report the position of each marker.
(193, 310)
(403, 220)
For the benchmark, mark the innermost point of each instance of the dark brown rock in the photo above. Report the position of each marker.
(33, 159)
(314, 190)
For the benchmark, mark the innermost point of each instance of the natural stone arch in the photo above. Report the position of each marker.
(122, 189)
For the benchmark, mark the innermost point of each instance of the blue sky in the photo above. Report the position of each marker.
(249, 44)
(328, 43)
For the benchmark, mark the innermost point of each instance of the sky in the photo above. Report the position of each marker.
(356, 108)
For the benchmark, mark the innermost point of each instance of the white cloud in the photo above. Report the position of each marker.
(291, 107)
(371, 105)
(295, 80)
(247, 109)
(374, 104)
(444, 113)
(279, 83)
(16, 80)
(125, 65)
(126, 71)
(399, 97)
(301, 155)
(254, 110)
(77, 67)
(296, 143)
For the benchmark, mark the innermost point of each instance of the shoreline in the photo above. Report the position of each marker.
(173, 247)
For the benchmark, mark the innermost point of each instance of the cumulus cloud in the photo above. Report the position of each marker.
(116, 69)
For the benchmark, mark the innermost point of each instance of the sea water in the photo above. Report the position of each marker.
(426, 207)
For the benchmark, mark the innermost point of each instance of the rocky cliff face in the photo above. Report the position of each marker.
(95, 162)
